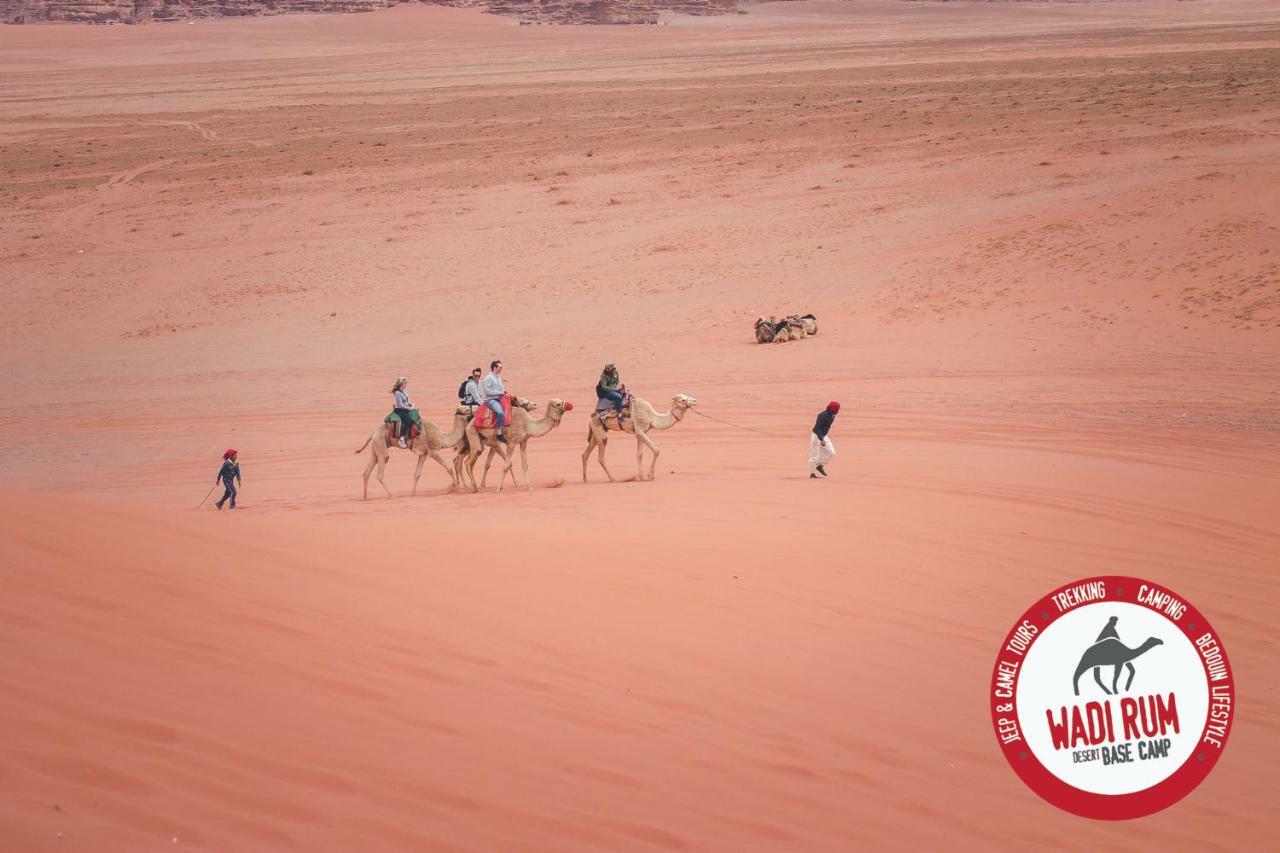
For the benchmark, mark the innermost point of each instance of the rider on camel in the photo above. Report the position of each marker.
(610, 387)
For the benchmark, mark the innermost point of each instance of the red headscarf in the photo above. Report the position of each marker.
(229, 454)
(833, 406)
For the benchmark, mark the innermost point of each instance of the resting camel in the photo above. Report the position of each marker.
(765, 329)
(428, 443)
(523, 427)
(643, 418)
(807, 322)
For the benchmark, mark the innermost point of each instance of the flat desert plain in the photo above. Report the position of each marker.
(1042, 242)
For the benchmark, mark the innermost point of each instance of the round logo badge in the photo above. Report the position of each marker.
(1112, 697)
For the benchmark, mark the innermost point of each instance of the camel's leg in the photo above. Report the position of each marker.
(506, 466)
(511, 449)
(368, 469)
(458, 458)
(1075, 682)
(653, 463)
(470, 466)
(382, 467)
(524, 465)
(1097, 670)
(1132, 673)
(592, 442)
(417, 472)
(435, 454)
(600, 448)
(488, 460)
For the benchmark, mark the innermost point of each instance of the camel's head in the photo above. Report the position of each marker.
(684, 401)
(559, 405)
(527, 405)
(1154, 641)
(462, 411)
(763, 321)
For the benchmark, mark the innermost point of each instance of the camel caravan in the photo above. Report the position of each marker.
(793, 327)
(489, 418)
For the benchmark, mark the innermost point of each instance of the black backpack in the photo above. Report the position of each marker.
(462, 389)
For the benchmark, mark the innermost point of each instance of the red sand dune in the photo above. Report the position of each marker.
(1039, 240)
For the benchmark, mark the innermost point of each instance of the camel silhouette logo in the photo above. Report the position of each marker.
(1135, 744)
(1107, 650)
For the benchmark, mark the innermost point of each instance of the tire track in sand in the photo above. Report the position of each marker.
(76, 220)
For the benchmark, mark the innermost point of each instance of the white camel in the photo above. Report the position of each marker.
(644, 417)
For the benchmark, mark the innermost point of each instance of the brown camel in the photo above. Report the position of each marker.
(518, 432)
(428, 443)
(807, 322)
(643, 419)
(764, 329)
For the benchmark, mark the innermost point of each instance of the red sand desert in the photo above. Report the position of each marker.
(1043, 246)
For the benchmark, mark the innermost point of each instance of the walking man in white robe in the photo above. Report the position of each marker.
(821, 450)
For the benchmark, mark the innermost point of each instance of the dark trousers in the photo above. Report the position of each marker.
(615, 396)
(406, 422)
(229, 494)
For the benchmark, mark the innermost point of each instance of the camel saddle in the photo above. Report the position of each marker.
(393, 430)
(485, 419)
(604, 408)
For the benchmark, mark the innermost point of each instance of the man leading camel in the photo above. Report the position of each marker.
(493, 393)
(821, 450)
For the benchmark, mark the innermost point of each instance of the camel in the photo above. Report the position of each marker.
(462, 450)
(807, 322)
(764, 329)
(793, 327)
(643, 418)
(428, 443)
(788, 329)
(522, 428)
(1111, 652)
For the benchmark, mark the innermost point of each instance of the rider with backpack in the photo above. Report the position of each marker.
(469, 392)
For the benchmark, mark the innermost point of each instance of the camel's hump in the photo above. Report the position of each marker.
(1107, 643)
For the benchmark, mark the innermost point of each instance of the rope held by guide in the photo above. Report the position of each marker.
(732, 424)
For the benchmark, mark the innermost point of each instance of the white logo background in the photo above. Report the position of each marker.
(1045, 683)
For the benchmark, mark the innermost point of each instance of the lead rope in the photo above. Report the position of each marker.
(732, 424)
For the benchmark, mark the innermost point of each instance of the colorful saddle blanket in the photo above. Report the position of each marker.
(485, 419)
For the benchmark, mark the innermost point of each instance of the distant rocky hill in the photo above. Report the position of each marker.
(541, 11)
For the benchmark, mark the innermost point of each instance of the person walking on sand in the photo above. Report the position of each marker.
(228, 476)
(493, 393)
(821, 450)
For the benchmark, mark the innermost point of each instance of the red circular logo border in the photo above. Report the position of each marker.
(1038, 778)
